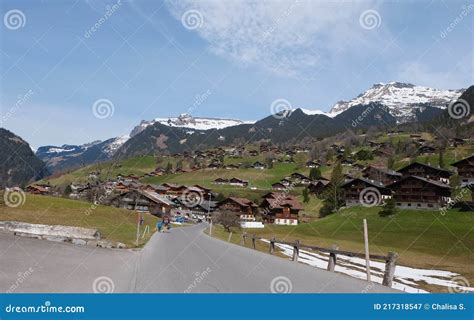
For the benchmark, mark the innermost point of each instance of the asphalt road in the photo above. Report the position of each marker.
(183, 260)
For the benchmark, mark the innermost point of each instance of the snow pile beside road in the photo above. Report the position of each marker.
(405, 279)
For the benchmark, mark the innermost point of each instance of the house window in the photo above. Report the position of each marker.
(409, 204)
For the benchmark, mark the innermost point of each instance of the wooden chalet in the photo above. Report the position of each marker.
(280, 208)
(312, 164)
(426, 171)
(299, 178)
(245, 208)
(318, 187)
(278, 186)
(383, 175)
(424, 150)
(143, 201)
(238, 182)
(221, 181)
(361, 191)
(258, 165)
(414, 192)
(38, 189)
(465, 170)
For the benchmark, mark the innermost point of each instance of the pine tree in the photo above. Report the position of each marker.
(390, 163)
(315, 174)
(305, 195)
(333, 195)
(441, 162)
(389, 209)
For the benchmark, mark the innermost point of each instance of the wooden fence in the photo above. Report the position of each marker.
(390, 259)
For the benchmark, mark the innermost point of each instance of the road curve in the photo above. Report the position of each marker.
(183, 260)
(187, 260)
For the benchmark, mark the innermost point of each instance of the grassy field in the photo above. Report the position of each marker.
(423, 239)
(115, 224)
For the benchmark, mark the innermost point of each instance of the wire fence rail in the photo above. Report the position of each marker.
(390, 259)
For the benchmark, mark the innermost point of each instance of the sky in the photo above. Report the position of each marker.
(77, 71)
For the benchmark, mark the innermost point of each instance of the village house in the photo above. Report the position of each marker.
(258, 165)
(413, 192)
(41, 189)
(426, 171)
(312, 164)
(426, 150)
(360, 191)
(238, 182)
(317, 187)
(231, 167)
(299, 179)
(278, 186)
(465, 170)
(383, 175)
(280, 208)
(244, 208)
(143, 201)
(221, 181)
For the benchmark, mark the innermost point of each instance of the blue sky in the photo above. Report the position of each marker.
(149, 61)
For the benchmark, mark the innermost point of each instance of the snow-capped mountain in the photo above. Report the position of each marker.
(63, 157)
(187, 121)
(401, 99)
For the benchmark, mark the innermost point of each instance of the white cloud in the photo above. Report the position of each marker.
(285, 37)
(449, 78)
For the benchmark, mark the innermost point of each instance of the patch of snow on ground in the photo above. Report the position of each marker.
(405, 278)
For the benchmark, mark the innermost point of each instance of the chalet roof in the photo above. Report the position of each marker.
(424, 165)
(470, 158)
(279, 203)
(155, 197)
(324, 182)
(237, 179)
(242, 201)
(373, 183)
(384, 170)
(433, 182)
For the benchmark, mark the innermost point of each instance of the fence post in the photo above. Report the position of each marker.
(272, 245)
(390, 265)
(230, 236)
(253, 241)
(242, 241)
(296, 250)
(332, 259)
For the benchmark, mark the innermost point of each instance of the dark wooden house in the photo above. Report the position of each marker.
(465, 169)
(361, 191)
(244, 208)
(426, 171)
(383, 175)
(281, 209)
(414, 192)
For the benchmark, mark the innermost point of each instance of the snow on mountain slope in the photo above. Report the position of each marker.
(111, 147)
(187, 121)
(400, 98)
(313, 112)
